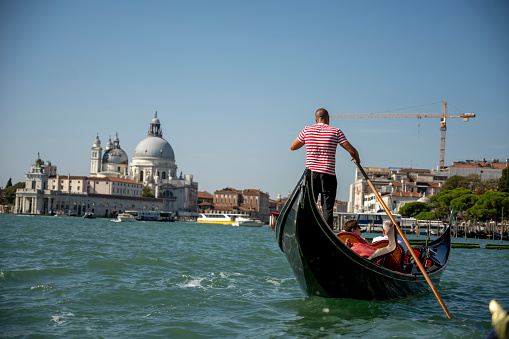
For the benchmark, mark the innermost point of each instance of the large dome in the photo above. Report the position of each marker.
(154, 147)
(115, 156)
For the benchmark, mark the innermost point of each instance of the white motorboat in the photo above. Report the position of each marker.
(216, 218)
(241, 221)
(126, 217)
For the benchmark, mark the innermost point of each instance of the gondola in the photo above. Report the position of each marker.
(325, 266)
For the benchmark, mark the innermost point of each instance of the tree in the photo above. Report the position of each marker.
(147, 192)
(503, 183)
(413, 208)
(10, 192)
(489, 206)
(464, 202)
(442, 201)
(455, 181)
(426, 216)
(9, 183)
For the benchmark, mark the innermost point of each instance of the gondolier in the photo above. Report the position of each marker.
(321, 142)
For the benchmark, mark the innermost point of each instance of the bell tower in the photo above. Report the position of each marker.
(95, 159)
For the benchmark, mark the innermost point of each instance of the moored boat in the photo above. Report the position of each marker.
(89, 215)
(242, 221)
(326, 266)
(149, 216)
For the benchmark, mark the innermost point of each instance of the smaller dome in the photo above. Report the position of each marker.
(97, 142)
(115, 156)
(109, 144)
(424, 200)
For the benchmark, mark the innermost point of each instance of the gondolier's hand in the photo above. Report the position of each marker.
(353, 152)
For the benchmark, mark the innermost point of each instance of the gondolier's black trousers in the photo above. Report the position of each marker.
(325, 185)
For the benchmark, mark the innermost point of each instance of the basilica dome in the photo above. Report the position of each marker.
(154, 147)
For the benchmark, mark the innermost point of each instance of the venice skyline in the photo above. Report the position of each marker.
(235, 84)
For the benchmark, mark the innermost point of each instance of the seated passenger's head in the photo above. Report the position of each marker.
(387, 227)
(351, 226)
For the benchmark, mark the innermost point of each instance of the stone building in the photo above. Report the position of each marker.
(398, 187)
(114, 184)
(251, 201)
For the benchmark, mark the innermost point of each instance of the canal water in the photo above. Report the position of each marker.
(79, 278)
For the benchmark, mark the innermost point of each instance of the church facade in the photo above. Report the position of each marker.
(114, 185)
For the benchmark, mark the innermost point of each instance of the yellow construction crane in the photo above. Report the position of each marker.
(442, 117)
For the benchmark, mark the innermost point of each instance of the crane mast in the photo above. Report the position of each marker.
(443, 125)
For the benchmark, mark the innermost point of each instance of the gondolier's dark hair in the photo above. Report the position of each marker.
(321, 113)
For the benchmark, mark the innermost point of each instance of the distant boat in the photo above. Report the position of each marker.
(214, 218)
(89, 215)
(149, 216)
(241, 221)
(126, 217)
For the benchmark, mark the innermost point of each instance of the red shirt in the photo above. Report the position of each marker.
(321, 142)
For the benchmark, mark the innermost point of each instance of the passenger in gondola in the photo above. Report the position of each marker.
(353, 227)
(385, 230)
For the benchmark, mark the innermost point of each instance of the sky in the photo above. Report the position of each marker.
(234, 83)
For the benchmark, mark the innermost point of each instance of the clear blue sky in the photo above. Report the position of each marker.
(234, 82)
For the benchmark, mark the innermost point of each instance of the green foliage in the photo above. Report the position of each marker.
(413, 208)
(9, 183)
(442, 201)
(10, 193)
(503, 183)
(472, 182)
(464, 202)
(426, 216)
(147, 192)
(455, 181)
(489, 206)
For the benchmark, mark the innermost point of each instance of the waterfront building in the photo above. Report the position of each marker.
(398, 187)
(114, 185)
(205, 201)
(251, 201)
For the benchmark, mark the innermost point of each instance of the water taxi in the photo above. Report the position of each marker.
(215, 218)
(126, 217)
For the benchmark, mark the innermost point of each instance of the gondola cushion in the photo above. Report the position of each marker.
(364, 250)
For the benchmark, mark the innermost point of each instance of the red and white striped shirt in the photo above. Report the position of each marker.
(321, 142)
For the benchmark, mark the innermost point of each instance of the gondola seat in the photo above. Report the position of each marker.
(350, 238)
(394, 260)
(386, 253)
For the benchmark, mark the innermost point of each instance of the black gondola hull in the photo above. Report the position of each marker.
(324, 266)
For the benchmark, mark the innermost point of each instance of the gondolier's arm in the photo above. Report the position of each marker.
(296, 144)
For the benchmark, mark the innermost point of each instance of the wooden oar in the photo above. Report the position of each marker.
(416, 259)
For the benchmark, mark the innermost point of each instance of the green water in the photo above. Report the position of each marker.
(78, 278)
